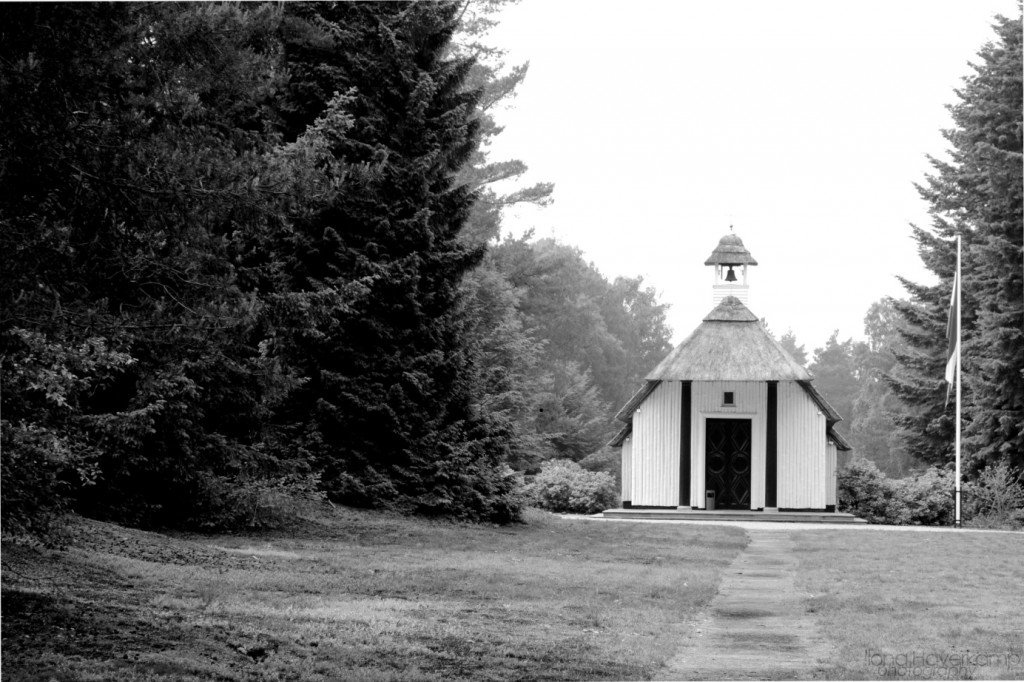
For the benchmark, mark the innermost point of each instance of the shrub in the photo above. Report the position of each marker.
(564, 486)
(254, 501)
(995, 498)
(864, 491)
(35, 496)
(928, 497)
(608, 460)
(46, 450)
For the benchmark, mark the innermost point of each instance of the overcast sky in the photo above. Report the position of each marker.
(803, 124)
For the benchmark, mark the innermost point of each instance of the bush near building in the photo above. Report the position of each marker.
(564, 486)
(994, 499)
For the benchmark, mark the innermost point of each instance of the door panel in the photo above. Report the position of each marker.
(728, 462)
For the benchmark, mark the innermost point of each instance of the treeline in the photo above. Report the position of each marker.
(892, 385)
(252, 251)
(853, 376)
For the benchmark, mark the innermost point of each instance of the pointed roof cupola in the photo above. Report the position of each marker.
(729, 256)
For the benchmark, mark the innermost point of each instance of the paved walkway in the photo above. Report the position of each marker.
(757, 626)
(768, 525)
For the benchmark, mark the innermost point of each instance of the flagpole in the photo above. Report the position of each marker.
(956, 522)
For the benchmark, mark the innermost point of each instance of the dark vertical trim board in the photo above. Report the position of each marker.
(771, 465)
(684, 451)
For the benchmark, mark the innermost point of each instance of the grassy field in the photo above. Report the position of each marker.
(360, 596)
(931, 605)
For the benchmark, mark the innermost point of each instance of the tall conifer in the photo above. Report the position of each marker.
(977, 194)
(389, 381)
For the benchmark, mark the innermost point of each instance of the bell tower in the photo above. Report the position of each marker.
(730, 260)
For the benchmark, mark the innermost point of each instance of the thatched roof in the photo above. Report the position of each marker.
(730, 251)
(731, 309)
(729, 345)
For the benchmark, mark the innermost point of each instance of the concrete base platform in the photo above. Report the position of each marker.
(684, 514)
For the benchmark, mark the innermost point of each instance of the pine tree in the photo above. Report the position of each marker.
(975, 194)
(389, 381)
(497, 83)
(509, 380)
(132, 135)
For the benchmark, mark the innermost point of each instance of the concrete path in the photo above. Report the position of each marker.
(767, 525)
(757, 626)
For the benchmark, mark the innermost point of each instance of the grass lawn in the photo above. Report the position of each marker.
(361, 596)
(918, 604)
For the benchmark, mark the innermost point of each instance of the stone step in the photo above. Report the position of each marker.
(731, 515)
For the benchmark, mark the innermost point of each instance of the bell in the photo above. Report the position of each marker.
(730, 276)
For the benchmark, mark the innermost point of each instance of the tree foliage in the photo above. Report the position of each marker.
(497, 183)
(600, 338)
(875, 407)
(975, 193)
(132, 140)
(835, 375)
(247, 254)
(789, 343)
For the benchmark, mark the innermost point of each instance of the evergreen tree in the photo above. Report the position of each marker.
(510, 380)
(237, 250)
(495, 182)
(975, 194)
(571, 418)
(132, 135)
(389, 382)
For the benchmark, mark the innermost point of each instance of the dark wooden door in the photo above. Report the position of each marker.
(728, 462)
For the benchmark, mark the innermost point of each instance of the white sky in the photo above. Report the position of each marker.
(802, 123)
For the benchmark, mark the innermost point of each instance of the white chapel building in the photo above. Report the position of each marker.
(729, 420)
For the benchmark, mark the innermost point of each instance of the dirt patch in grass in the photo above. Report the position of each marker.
(360, 596)
(772, 640)
(944, 605)
(743, 613)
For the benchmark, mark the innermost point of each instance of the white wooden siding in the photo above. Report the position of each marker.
(830, 474)
(750, 400)
(657, 433)
(801, 450)
(627, 467)
(740, 291)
